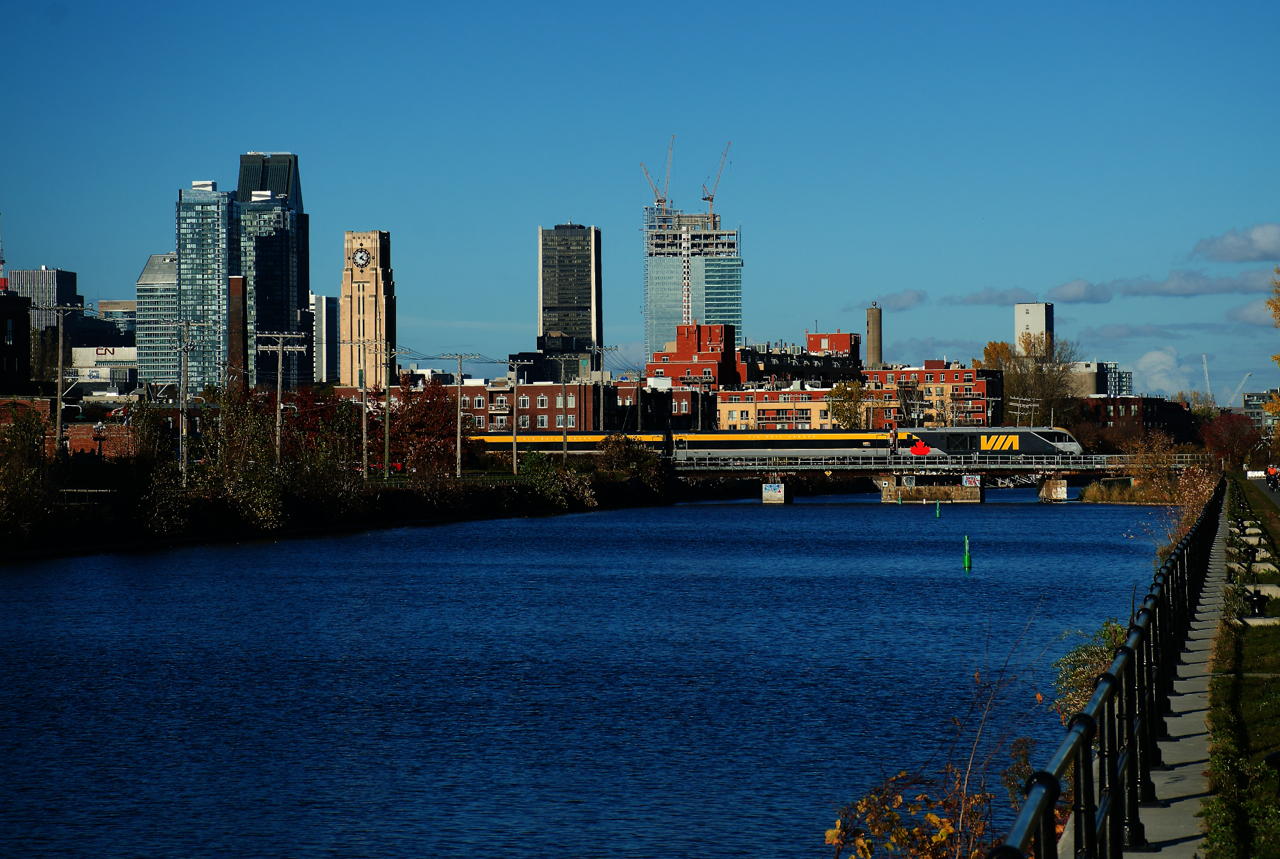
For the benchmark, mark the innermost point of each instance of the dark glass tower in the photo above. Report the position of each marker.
(275, 259)
(570, 317)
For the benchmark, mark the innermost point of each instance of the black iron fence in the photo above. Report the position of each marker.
(1110, 747)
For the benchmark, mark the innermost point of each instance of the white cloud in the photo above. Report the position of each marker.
(1259, 242)
(1159, 371)
(1183, 283)
(1080, 292)
(1187, 283)
(990, 295)
(1253, 313)
(899, 301)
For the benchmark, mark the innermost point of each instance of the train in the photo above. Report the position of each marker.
(738, 444)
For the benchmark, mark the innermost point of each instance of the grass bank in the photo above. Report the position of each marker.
(1242, 816)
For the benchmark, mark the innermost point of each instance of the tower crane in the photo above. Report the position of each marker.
(1209, 391)
(710, 196)
(660, 198)
(1236, 392)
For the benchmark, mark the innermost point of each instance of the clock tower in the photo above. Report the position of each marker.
(367, 310)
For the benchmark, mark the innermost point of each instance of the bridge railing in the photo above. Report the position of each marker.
(1110, 747)
(702, 461)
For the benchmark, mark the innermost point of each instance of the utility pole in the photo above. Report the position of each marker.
(364, 405)
(599, 413)
(279, 348)
(386, 418)
(564, 406)
(515, 366)
(460, 358)
(61, 310)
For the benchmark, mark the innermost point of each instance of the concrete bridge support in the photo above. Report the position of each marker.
(1052, 489)
(913, 489)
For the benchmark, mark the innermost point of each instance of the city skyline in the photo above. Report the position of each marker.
(946, 165)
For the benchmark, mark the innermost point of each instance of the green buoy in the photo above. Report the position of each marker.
(968, 561)
(937, 510)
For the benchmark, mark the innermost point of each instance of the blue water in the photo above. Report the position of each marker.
(700, 680)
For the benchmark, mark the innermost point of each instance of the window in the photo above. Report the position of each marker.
(542, 401)
(735, 399)
(706, 373)
(968, 377)
(559, 421)
(479, 402)
(573, 421)
(824, 414)
(479, 421)
(666, 360)
(733, 414)
(500, 422)
(542, 421)
(659, 372)
(889, 377)
(524, 422)
(559, 401)
(928, 377)
(915, 377)
(628, 401)
(968, 389)
(500, 401)
(573, 400)
(524, 401)
(684, 406)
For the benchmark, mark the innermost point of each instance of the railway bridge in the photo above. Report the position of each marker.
(911, 478)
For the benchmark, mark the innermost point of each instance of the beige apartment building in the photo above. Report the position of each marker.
(367, 309)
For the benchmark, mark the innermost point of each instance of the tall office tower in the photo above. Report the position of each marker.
(208, 255)
(692, 272)
(325, 337)
(158, 359)
(274, 260)
(570, 287)
(46, 287)
(367, 310)
(1035, 319)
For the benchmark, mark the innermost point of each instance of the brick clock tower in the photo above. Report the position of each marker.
(367, 309)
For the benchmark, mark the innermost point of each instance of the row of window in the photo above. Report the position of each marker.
(915, 377)
(500, 401)
(500, 421)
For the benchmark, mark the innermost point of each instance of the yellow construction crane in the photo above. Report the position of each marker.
(660, 198)
(710, 196)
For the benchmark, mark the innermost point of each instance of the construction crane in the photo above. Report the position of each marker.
(1208, 391)
(710, 196)
(660, 199)
(1239, 387)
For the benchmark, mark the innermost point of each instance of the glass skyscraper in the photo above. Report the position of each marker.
(208, 254)
(157, 311)
(692, 272)
(570, 289)
(275, 260)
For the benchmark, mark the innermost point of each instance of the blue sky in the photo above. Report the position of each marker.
(945, 159)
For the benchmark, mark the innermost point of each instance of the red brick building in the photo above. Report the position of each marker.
(938, 394)
(704, 358)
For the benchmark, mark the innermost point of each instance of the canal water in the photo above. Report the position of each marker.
(703, 680)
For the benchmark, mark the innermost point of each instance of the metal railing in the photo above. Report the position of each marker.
(1125, 718)
(704, 461)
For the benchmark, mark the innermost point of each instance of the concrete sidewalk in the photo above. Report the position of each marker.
(1173, 829)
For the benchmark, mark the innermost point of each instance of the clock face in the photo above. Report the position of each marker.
(361, 258)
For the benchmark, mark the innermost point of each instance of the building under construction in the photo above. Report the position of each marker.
(692, 269)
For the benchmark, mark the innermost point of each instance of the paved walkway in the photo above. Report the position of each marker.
(1173, 828)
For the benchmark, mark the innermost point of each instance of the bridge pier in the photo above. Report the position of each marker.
(1051, 489)
(926, 489)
